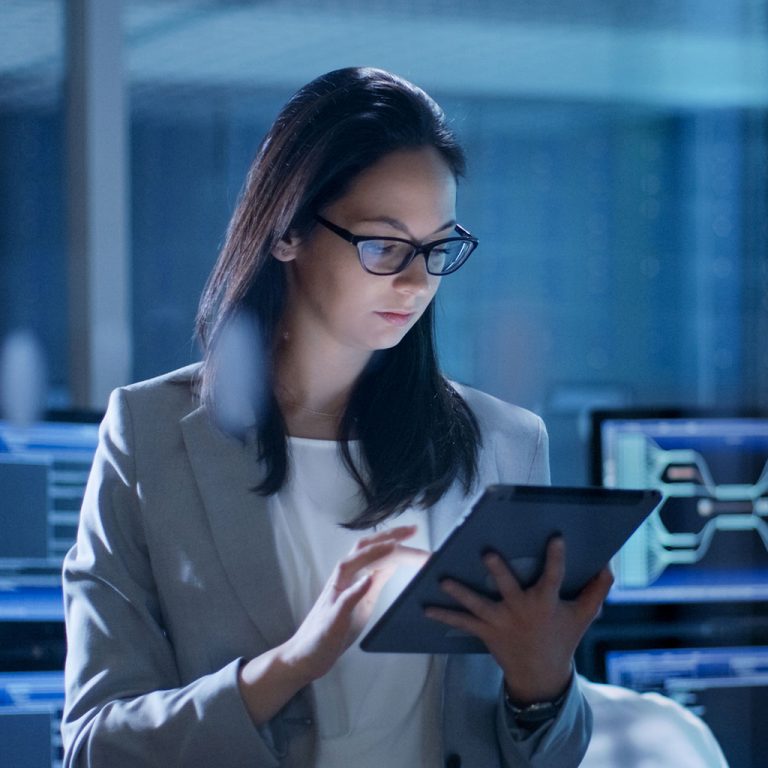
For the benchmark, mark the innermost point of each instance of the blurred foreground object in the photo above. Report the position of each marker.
(239, 383)
(22, 378)
(634, 730)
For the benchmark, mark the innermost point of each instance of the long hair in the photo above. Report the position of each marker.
(416, 433)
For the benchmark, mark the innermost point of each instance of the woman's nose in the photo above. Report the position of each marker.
(415, 278)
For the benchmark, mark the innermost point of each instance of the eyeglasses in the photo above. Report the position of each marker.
(390, 255)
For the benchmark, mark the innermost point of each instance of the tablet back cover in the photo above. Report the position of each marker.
(516, 521)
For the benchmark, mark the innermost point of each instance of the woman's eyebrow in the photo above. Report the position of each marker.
(397, 224)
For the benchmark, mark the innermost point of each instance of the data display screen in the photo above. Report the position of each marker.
(708, 540)
(726, 687)
(43, 471)
(30, 719)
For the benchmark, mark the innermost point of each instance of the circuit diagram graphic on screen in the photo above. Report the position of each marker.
(711, 529)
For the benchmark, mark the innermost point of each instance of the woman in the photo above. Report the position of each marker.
(220, 577)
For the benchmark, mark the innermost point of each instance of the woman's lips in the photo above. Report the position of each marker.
(396, 318)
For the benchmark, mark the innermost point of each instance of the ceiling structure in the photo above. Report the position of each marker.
(682, 53)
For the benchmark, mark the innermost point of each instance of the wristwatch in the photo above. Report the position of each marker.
(531, 715)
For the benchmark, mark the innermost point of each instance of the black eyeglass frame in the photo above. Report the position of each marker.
(418, 248)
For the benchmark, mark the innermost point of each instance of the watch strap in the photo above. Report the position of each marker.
(535, 713)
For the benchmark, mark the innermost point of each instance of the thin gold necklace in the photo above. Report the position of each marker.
(291, 400)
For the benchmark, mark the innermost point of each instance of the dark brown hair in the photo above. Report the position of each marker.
(330, 131)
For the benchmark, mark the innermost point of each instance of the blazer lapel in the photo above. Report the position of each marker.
(226, 470)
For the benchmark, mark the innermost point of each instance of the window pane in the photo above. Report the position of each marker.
(617, 166)
(33, 260)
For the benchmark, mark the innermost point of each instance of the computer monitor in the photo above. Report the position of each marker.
(30, 719)
(708, 540)
(727, 687)
(44, 467)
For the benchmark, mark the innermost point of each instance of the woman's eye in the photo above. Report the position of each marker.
(381, 248)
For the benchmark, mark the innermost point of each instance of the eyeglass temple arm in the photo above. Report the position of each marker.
(465, 233)
(340, 231)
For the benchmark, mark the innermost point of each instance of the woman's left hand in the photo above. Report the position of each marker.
(532, 633)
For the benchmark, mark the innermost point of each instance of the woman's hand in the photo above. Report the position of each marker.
(332, 625)
(347, 600)
(532, 633)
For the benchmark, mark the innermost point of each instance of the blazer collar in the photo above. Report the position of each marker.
(226, 471)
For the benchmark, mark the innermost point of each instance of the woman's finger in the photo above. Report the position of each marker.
(456, 619)
(508, 586)
(382, 554)
(551, 579)
(347, 569)
(402, 555)
(354, 593)
(590, 600)
(474, 602)
(398, 533)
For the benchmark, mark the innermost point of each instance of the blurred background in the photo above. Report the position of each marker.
(618, 183)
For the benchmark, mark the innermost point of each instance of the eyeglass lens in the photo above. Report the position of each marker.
(387, 256)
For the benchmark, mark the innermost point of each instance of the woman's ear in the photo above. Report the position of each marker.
(286, 247)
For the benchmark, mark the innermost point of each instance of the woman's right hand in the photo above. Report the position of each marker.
(335, 621)
(347, 600)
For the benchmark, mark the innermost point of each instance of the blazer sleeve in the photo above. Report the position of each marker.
(124, 702)
(564, 741)
(559, 744)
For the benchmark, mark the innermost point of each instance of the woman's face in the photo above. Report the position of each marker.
(332, 300)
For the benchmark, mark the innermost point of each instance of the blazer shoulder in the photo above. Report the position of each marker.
(515, 442)
(174, 393)
(497, 416)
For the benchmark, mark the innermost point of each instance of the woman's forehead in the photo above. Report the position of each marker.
(404, 189)
(403, 226)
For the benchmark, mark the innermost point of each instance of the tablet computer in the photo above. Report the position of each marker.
(516, 521)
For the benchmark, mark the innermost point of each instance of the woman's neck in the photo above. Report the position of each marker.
(313, 388)
(320, 420)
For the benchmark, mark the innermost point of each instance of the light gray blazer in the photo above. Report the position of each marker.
(174, 580)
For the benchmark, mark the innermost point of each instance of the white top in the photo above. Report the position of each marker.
(634, 730)
(372, 709)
